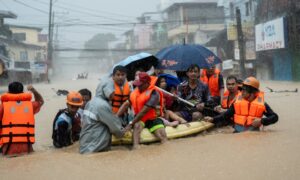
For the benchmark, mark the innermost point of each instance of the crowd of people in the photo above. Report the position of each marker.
(148, 102)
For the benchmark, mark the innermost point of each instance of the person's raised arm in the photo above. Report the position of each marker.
(36, 94)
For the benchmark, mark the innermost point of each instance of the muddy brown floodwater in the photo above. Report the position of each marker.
(273, 153)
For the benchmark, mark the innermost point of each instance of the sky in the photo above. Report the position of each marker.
(76, 21)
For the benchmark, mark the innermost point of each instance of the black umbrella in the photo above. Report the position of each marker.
(138, 61)
(180, 57)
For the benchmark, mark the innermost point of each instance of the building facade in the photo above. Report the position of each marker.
(36, 43)
(278, 39)
(192, 20)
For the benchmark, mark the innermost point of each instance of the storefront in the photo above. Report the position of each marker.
(274, 59)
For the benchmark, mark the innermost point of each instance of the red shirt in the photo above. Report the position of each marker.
(19, 148)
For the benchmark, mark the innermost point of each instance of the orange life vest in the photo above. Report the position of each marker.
(139, 99)
(153, 80)
(120, 96)
(226, 102)
(18, 118)
(212, 82)
(246, 112)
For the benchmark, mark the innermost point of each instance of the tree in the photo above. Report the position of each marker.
(100, 41)
(96, 51)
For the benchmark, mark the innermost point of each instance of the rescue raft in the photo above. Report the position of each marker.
(182, 130)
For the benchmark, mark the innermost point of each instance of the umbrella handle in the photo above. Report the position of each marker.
(179, 98)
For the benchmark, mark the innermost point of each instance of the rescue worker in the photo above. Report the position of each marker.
(121, 92)
(144, 101)
(239, 84)
(67, 123)
(249, 111)
(229, 95)
(99, 122)
(86, 97)
(228, 98)
(214, 80)
(17, 119)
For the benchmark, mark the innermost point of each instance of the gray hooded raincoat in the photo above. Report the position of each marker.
(98, 121)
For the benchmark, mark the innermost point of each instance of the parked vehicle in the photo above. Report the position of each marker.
(27, 71)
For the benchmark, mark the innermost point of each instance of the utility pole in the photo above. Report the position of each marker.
(52, 34)
(50, 49)
(241, 43)
(187, 26)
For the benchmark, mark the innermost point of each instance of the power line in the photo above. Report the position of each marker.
(103, 50)
(115, 24)
(103, 28)
(5, 5)
(78, 57)
(96, 15)
(135, 23)
(111, 28)
(37, 9)
(89, 9)
(83, 12)
(103, 24)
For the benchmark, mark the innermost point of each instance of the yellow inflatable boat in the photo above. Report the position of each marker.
(181, 130)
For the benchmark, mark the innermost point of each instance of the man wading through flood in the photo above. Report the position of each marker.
(144, 101)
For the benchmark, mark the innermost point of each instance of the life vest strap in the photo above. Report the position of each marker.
(17, 125)
(121, 95)
(28, 142)
(16, 135)
(9, 143)
(120, 101)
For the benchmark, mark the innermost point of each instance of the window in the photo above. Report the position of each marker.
(22, 64)
(23, 56)
(19, 36)
(38, 56)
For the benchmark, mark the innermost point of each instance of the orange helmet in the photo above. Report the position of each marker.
(74, 98)
(251, 81)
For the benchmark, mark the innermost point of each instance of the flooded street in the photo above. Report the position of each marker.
(74, 43)
(218, 154)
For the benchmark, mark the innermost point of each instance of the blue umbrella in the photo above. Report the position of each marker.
(170, 79)
(180, 57)
(138, 61)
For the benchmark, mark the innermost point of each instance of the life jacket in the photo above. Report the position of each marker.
(226, 102)
(212, 82)
(139, 99)
(153, 80)
(18, 119)
(120, 96)
(246, 112)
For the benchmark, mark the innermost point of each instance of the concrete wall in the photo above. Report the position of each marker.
(31, 34)
(14, 52)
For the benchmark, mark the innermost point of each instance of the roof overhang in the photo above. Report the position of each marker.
(7, 14)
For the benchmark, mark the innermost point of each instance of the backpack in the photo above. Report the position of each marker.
(61, 137)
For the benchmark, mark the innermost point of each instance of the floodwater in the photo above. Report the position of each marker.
(218, 154)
